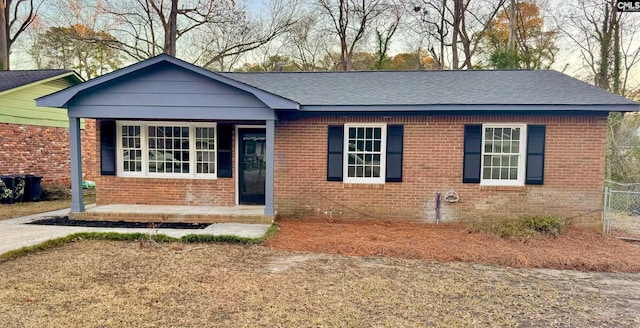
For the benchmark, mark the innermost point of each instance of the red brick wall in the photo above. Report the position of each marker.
(433, 159)
(155, 191)
(44, 151)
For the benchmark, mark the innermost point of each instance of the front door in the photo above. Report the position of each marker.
(252, 164)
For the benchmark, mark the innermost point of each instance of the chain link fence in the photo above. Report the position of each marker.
(621, 216)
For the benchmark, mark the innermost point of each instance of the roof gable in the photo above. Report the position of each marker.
(62, 98)
(166, 86)
(10, 80)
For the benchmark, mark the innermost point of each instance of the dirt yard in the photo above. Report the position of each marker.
(140, 284)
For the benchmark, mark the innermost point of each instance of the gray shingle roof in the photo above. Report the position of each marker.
(474, 87)
(14, 79)
(479, 91)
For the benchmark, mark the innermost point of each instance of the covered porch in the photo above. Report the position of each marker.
(151, 99)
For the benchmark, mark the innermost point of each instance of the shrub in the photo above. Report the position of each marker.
(525, 227)
(55, 192)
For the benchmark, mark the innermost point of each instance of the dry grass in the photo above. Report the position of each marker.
(578, 249)
(9, 211)
(137, 284)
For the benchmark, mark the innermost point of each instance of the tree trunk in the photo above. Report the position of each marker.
(466, 43)
(512, 26)
(4, 35)
(171, 30)
(602, 80)
(441, 33)
(457, 8)
(343, 20)
(615, 22)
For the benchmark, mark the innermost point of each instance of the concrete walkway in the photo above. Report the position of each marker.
(15, 233)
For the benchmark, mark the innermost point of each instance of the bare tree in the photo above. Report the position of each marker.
(386, 27)
(218, 42)
(146, 28)
(430, 29)
(350, 20)
(307, 44)
(459, 26)
(474, 19)
(606, 42)
(15, 18)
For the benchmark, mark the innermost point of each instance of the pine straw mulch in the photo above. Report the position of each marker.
(576, 248)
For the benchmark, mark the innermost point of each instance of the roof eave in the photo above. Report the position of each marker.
(634, 107)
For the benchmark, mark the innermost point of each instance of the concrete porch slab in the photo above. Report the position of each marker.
(171, 213)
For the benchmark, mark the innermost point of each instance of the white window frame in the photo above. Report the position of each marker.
(383, 154)
(521, 161)
(144, 143)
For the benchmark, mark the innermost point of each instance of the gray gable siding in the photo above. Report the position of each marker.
(167, 92)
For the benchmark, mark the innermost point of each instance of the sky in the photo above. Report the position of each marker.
(568, 59)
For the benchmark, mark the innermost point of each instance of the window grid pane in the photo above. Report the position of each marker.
(501, 153)
(364, 152)
(168, 149)
(205, 150)
(131, 148)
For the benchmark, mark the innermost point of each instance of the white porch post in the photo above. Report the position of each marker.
(268, 192)
(77, 203)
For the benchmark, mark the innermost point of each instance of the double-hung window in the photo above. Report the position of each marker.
(503, 154)
(365, 150)
(166, 149)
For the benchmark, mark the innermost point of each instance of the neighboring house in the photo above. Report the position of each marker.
(35, 140)
(353, 144)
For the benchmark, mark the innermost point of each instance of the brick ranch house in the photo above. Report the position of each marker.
(349, 144)
(35, 140)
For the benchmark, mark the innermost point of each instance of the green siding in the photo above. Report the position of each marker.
(19, 106)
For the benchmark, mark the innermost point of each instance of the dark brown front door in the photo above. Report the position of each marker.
(252, 166)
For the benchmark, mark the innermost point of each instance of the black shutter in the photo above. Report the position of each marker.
(472, 153)
(107, 147)
(225, 138)
(395, 136)
(535, 154)
(334, 153)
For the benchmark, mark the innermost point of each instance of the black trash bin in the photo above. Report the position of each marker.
(33, 188)
(6, 188)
